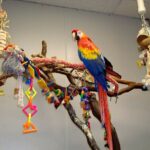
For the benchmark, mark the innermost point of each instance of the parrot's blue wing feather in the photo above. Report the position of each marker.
(97, 68)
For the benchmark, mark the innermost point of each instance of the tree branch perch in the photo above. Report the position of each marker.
(74, 73)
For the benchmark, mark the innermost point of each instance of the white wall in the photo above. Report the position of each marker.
(116, 36)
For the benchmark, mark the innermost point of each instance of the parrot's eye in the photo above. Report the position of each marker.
(79, 33)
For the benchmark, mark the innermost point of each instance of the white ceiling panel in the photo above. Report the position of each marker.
(118, 7)
(129, 8)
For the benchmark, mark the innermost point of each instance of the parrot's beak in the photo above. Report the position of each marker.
(75, 36)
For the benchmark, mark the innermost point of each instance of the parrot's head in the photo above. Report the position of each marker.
(78, 34)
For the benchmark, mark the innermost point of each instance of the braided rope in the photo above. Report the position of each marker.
(56, 61)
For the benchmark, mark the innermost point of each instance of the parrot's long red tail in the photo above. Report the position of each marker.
(105, 115)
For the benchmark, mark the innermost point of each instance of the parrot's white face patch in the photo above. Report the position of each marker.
(80, 34)
(74, 35)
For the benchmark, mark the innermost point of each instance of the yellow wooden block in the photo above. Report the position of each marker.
(31, 71)
(42, 84)
(30, 93)
(139, 63)
(29, 118)
(2, 92)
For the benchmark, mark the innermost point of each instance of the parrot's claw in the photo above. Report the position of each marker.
(116, 99)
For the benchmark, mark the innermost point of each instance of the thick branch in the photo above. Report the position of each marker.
(43, 51)
(4, 77)
(83, 127)
(130, 87)
(47, 62)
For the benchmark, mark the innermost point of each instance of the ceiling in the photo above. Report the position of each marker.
(112, 7)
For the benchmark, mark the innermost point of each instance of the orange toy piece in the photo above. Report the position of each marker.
(67, 99)
(29, 127)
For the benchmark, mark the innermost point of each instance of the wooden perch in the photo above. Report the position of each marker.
(3, 78)
(77, 76)
(61, 67)
(83, 127)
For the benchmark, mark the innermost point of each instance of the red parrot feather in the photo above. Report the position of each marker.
(105, 115)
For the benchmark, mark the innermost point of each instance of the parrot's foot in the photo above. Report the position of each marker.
(113, 85)
(116, 98)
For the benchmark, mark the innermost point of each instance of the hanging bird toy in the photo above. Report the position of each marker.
(143, 40)
(4, 35)
(84, 103)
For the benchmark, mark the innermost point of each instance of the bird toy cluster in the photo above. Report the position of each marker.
(17, 64)
(59, 96)
(4, 35)
(49, 93)
(21, 67)
(143, 40)
(84, 103)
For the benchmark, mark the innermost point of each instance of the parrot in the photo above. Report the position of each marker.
(98, 66)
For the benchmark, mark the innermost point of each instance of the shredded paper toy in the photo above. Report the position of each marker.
(4, 35)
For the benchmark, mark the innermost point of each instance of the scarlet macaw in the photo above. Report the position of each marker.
(98, 66)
